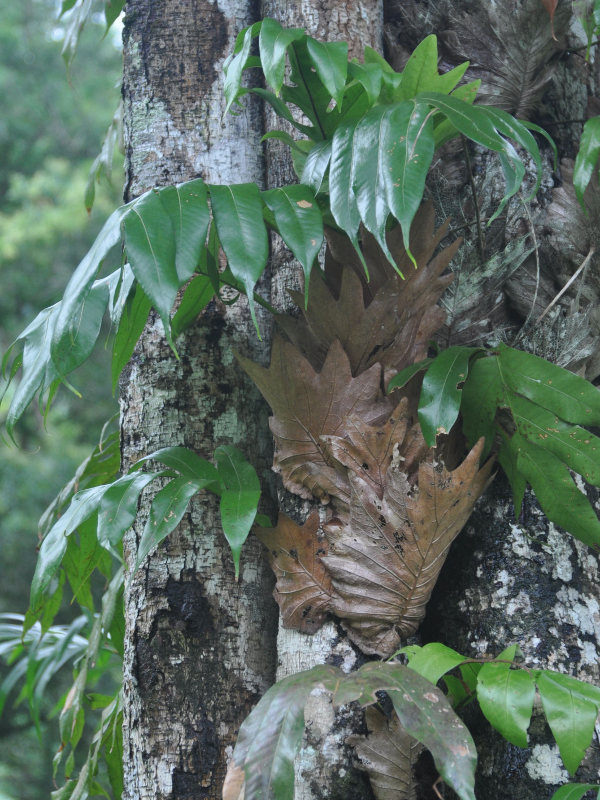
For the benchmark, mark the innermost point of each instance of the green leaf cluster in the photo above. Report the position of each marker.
(506, 690)
(171, 240)
(534, 417)
(372, 131)
(102, 513)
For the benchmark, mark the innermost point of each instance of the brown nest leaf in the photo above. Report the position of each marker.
(388, 754)
(303, 589)
(368, 451)
(387, 320)
(385, 562)
(308, 405)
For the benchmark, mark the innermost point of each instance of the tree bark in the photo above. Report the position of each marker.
(506, 580)
(200, 647)
(324, 767)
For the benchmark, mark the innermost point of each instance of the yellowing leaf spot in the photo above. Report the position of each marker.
(304, 204)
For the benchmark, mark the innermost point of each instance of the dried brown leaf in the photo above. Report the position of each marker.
(574, 230)
(387, 320)
(368, 451)
(512, 51)
(385, 562)
(303, 589)
(233, 787)
(388, 755)
(307, 405)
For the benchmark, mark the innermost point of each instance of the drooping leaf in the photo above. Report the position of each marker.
(299, 222)
(103, 163)
(557, 493)
(506, 697)
(262, 767)
(303, 590)
(587, 157)
(188, 463)
(441, 391)
(238, 216)
(38, 372)
(54, 545)
(167, 509)
(330, 61)
(369, 173)
(389, 755)
(433, 660)
(384, 564)
(240, 493)
(307, 405)
(274, 41)
(571, 708)
(269, 737)
(424, 713)
(118, 506)
(186, 206)
(341, 192)
(526, 401)
(71, 305)
(150, 245)
(132, 322)
(198, 294)
(316, 164)
(559, 391)
(112, 10)
(235, 64)
(408, 145)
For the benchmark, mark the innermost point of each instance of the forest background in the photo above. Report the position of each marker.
(52, 125)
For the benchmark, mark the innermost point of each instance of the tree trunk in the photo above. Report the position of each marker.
(324, 766)
(200, 647)
(509, 580)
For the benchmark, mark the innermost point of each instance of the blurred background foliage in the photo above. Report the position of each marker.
(51, 127)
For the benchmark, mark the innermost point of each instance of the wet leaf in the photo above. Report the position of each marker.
(303, 588)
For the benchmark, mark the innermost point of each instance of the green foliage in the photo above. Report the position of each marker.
(384, 126)
(587, 157)
(531, 414)
(271, 734)
(574, 791)
(506, 689)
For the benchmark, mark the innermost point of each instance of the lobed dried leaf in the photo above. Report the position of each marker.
(385, 562)
(388, 754)
(303, 590)
(387, 320)
(308, 405)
